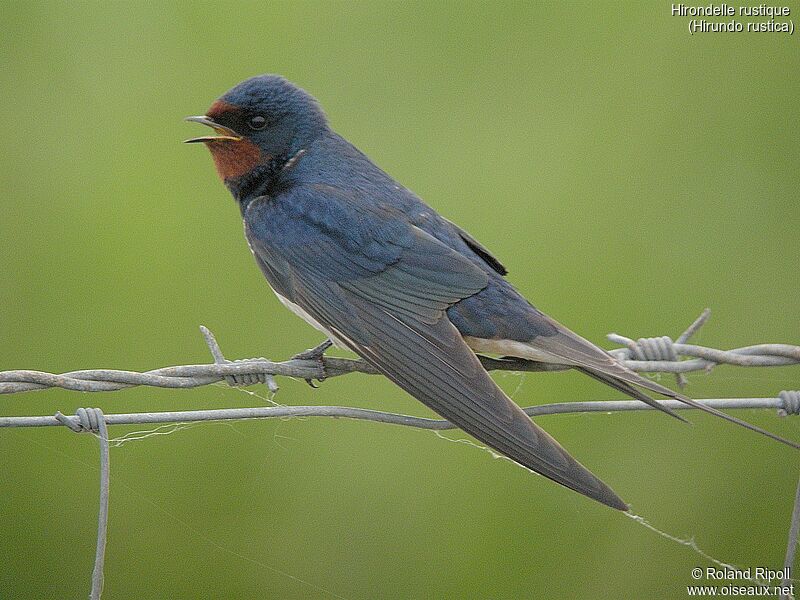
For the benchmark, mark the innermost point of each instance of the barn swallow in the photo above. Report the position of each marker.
(380, 273)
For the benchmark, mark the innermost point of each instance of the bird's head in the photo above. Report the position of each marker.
(260, 124)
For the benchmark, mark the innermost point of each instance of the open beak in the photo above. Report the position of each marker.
(223, 133)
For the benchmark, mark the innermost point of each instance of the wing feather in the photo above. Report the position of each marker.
(396, 321)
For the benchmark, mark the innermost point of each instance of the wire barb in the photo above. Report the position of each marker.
(659, 348)
(237, 380)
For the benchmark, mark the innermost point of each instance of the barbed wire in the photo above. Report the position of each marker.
(658, 354)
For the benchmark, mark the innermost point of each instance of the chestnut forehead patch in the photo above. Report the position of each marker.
(220, 108)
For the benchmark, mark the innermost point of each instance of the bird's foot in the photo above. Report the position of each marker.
(316, 354)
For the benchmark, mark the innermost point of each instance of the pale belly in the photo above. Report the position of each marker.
(311, 321)
(298, 310)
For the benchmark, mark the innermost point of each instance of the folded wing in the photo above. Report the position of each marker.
(395, 319)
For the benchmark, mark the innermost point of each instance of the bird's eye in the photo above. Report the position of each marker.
(257, 122)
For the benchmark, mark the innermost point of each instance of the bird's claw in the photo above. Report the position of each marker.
(316, 354)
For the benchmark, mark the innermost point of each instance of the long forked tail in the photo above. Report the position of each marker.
(626, 387)
(581, 354)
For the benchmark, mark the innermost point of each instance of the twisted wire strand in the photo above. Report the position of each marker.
(658, 354)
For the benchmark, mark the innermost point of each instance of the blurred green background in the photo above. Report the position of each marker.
(627, 173)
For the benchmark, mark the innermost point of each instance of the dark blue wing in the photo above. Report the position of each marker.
(383, 286)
